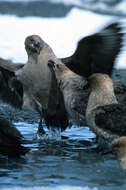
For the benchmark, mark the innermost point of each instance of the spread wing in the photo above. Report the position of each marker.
(96, 53)
(112, 119)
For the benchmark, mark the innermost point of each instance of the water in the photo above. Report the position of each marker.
(72, 162)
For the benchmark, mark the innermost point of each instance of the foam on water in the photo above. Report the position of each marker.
(73, 133)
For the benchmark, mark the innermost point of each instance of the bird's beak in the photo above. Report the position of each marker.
(86, 85)
(38, 47)
(51, 64)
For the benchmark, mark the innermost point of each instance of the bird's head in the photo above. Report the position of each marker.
(59, 68)
(99, 80)
(33, 44)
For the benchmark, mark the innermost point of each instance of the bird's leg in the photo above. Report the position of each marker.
(40, 127)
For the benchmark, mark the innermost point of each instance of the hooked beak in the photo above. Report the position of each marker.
(37, 47)
(86, 85)
(51, 64)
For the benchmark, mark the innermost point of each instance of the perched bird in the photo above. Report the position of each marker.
(104, 115)
(39, 85)
(11, 140)
(96, 53)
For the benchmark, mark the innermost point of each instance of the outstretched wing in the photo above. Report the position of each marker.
(112, 119)
(96, 53)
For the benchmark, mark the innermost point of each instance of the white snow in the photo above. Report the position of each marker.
(62, 34)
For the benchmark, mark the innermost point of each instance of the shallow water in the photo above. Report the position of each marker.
(69, 162)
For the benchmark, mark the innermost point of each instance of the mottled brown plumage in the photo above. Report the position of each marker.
(76, 92)
(104, 115)
(72, 87)
(75, 86)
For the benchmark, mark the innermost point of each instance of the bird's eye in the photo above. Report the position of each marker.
(86, 85)
(32, 41)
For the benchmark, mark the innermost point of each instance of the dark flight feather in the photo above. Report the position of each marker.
(96, 53)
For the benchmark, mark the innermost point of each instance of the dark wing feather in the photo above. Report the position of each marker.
(11, 90)
(112, 119)
(66, 60)
(11, 95)
(9, 131)
(96, 53)
(56, 114)
(10, 139)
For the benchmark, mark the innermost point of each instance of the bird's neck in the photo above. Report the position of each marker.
(33, 59)
(100, 97)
